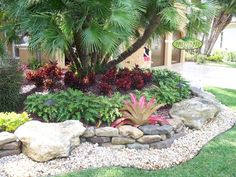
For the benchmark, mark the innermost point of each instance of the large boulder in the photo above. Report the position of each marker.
(46, 141)
(195, 112)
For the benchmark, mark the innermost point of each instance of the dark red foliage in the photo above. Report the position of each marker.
(110, 76)
(124, 84)
(48, 76)
(147, 77)
(138, 82)
(71, 80)
(105, 88)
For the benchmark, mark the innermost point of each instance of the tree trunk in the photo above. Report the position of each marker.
(152, 26)
(219, 24)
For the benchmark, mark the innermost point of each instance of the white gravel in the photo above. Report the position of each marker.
(89, 155)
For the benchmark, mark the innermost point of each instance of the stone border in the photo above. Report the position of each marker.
(91, 155)
(9, 145)
(143, 137)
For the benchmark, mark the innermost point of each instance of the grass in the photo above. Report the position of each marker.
(217, 159)
(222, 64)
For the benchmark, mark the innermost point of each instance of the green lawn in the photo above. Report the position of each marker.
(217, 159)
(222, 64)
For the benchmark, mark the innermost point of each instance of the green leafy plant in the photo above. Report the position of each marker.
(10, 83)
(11, 121)
(34, 64)
(74, 104)
(201, 59)
(169, 87)
(140, 112)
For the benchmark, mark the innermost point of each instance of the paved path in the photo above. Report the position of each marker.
(204, 75)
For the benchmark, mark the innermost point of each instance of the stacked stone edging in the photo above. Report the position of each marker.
(9, 145)
(142, 137)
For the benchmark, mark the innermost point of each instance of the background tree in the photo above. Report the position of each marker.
(227, 8)
(91, 32)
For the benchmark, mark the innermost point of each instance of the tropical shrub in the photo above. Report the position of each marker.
(215, 58)
(10, 83)
(125, 79)
(76, 105)
(201, 59)
(48, 77)
(169, 87)
(11, 121)
(140, 112)
(34, 64)
(230, 56)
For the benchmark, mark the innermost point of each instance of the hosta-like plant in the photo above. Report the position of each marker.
(140, 112)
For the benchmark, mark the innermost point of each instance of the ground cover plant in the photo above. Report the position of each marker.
(10, 121)
(93, 107)
(216, 159)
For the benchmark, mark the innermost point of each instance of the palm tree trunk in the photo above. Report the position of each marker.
(219, 24)
(152, 26)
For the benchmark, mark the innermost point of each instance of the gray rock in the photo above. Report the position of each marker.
(82, 140)
(162, 144)
(194, 112)
(130, 131)
(4, 153)
(46, 141)
(107, 131)
(175, 123)
(6, 137)
(10, 146)
(156, 130)
(89, 132)
(138, 146)
(146, 139)
(99, 139)
(199, 92)
(163, 137)
(167, 143)
(122, 140)
(113, 146)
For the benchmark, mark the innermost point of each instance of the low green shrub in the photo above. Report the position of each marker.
(230, 56)
(201, 59)
(11, 121)
(74, 104)
(34, 64)
(217, 56)
(169, 87)
(10, 83)
(190, 57)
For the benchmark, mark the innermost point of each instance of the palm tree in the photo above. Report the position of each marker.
(227, 8)
(90, 32)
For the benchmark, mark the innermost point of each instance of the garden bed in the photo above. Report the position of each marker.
(89, 155)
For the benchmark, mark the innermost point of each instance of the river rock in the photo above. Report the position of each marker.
(99, 139)
(46, 141)
(167, 143)
(89, 132)
(109, 145)
(107, 131)
(130, 131)
(146, 139)
(122, 140)
(10, 146)
(6, 137)
(9, 152)
(176, 123)
(194, 112)
(138, 146)
(156, 130)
